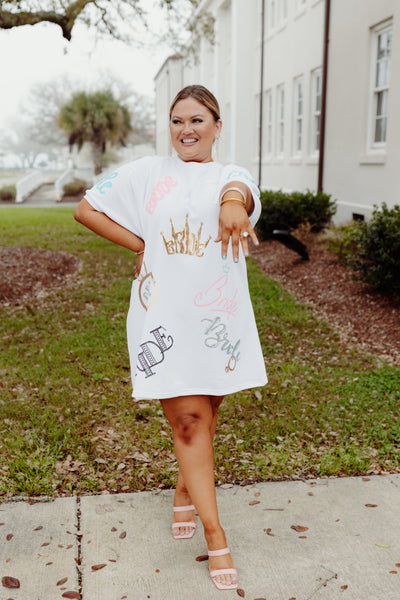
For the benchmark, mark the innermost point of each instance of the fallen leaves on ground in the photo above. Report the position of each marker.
(299, 528)
(202, 557)
(98, 567)
(268, 532)
(10, 582)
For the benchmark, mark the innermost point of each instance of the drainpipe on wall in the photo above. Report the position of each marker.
(324, 97)
(260, 140)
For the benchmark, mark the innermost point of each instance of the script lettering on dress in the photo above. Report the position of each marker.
(106, 183)
(214, 298)
(159, 191)
(220, 338)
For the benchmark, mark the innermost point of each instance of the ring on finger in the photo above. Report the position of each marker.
(244, 234)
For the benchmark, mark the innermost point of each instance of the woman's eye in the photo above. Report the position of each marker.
(175, 121)
(197, 121)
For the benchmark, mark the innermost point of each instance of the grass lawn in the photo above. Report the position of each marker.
(67, 420)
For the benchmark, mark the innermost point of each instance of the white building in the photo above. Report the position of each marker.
(280, 79)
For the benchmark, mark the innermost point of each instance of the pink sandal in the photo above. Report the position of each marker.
(192, 524)
(214, 574)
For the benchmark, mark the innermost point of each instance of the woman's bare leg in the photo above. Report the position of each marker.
(191, 418)
(182, 496)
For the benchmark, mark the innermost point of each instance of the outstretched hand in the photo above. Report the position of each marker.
(233, 223)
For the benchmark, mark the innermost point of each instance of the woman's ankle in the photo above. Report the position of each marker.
(182, 497)
(215, 537)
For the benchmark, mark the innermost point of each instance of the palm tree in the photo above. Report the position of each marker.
(97, 118)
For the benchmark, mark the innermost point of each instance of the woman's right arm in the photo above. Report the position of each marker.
(107, 228)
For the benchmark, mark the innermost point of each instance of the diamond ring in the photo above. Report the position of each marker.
(244, 234)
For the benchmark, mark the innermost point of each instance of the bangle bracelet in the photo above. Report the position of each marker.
(232, 200)
(137, 253)
(233, 189)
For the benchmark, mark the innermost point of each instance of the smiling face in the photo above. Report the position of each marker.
(193, 130)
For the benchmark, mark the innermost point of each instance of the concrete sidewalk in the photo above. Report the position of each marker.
(120, 547)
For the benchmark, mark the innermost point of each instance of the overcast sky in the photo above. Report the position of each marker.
(39, 53)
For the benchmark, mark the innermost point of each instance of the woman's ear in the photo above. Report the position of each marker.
(218, 127)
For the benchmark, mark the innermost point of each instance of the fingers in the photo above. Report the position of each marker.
(245, 245)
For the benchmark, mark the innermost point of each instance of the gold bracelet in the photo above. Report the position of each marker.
(232, 199)
(233, 189)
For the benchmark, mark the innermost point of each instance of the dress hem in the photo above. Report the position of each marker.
(137, 397)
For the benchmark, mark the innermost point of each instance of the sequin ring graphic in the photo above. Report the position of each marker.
(152, 352)
(147, 287)
(184, 241)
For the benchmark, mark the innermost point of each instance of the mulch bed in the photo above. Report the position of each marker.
(27, 273)
(363, 316)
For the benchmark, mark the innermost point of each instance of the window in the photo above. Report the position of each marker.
(276, 14)
(267, 123)
(283, 10)
(316, 100)
(381, 62)
(281, 120)
(298, 116)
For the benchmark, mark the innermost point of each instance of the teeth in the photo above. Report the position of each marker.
(189, 141)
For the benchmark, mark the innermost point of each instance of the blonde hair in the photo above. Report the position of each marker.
(202, 95)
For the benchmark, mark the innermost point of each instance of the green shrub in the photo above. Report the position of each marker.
(77, 187)
(344, 241)
(8, 193)
(378, 260)
(289, 211)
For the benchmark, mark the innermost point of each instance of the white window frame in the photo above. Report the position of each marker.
(300, 5)
(283, 11)
(280, 120)
(298, 116)
(257, 125)
(267, 124)
(276, 15)
(315, 117)
(378, 89)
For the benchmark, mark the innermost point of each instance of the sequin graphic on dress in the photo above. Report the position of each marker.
(147, 287)
(217, 336)
(152, 352)
(184, 241)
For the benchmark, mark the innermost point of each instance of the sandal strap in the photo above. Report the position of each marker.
(223, 572)
(183, 508)
(184, 524)
(218, 552)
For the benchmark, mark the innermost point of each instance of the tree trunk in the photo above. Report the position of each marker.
(97, 154)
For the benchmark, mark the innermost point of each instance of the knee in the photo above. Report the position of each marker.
(187, 426)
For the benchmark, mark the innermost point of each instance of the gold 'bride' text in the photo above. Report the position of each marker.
(185, 242)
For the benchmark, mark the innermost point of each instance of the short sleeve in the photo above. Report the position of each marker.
(235, 173)
(121, 195)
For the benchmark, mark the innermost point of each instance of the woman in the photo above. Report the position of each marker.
(191, 331)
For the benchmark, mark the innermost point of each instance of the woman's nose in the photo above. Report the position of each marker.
(187, 127)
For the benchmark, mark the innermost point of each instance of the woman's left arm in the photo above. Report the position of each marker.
(236, 206)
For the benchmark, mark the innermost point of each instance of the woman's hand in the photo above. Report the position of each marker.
(233, 223)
